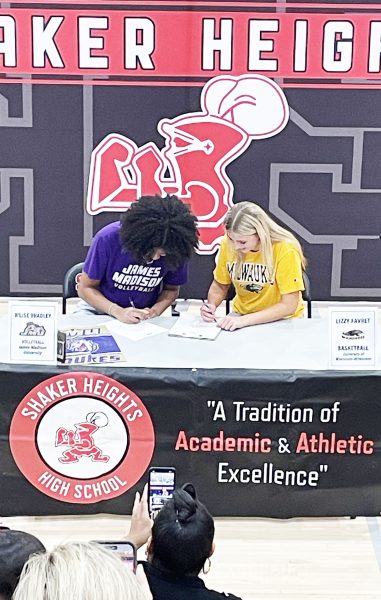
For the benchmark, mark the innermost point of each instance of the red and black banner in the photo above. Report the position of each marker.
(192, 41)
(273, 445)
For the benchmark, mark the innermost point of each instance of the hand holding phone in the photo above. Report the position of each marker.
(126, 551)
(141, 522)
(161, 485)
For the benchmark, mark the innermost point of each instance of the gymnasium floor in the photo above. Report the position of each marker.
(259, 559)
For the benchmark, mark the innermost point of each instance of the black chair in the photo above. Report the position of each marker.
(70, 285)
(306, 294)
(229, 298)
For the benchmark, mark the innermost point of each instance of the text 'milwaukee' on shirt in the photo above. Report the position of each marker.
(255, 288)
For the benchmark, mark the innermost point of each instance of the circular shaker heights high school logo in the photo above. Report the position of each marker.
(82, 437)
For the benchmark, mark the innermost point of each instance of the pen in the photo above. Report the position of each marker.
(207, 305)
(132, 304)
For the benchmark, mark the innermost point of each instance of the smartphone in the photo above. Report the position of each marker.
(126, 551)
(161, 485)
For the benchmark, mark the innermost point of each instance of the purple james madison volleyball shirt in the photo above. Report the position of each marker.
(123, 279)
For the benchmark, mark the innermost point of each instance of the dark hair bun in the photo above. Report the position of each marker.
(185, 503)
(190, 489)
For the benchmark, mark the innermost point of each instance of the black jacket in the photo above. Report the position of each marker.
(165, 586)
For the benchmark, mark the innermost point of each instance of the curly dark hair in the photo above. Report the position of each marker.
(153, 222)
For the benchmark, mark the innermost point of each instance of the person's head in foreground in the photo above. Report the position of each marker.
(77, 571)
(155, 226)
(250, 229)
(182, 534)
(15, 549)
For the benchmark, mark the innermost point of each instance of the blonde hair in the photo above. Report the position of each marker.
(247, 218)
(77, 571)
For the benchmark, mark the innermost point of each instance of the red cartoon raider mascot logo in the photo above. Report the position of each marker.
(198, 148)
(82, 437)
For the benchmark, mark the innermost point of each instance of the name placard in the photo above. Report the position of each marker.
(353, 337)
(33, 332)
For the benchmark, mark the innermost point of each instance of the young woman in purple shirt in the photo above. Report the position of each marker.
(134, 268)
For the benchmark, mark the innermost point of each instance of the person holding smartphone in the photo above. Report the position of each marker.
(178, 548)
(264, 262)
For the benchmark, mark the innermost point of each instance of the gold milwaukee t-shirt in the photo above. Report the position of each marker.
(253, 286)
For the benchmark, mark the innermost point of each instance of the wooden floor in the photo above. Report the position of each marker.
(261, 559)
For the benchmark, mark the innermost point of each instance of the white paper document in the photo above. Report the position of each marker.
(134, 332)
(192, 326)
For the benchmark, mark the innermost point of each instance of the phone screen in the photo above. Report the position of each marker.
(161, 485)
(126, 551)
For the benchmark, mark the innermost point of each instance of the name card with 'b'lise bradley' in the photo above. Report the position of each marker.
(353, 337)
(33, 332)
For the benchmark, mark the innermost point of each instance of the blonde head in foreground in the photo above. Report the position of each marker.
(77, 571)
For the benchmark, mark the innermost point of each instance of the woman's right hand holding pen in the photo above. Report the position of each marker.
(208, 311)
(130, 314)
